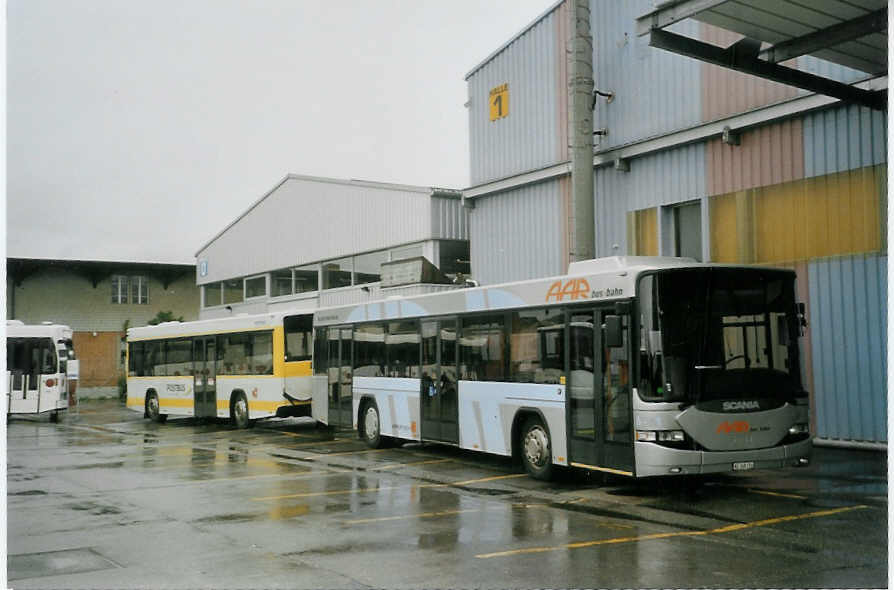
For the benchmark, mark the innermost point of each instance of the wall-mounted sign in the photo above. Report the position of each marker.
(499, 102)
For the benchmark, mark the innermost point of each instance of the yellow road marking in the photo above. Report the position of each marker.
(386, 488)
(779, 494)
(408, 516)
(726, 529)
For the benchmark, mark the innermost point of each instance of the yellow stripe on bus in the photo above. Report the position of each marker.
(255, 405)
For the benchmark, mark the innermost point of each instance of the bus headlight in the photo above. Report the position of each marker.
(660, 435)
(799, 428)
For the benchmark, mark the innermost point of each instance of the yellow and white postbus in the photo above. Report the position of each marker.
(629, 365)
(243, 368)
(41, 369)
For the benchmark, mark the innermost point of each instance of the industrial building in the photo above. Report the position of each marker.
(695, 159)
(313, 242)
(779, 161)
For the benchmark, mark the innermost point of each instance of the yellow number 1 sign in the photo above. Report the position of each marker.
(499, 102)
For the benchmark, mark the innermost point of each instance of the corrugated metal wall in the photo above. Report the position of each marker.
(848, 334)
(518, 234)
(305, 220)
(844, 138)
(655, 91)
(663, 178)
(532, 135)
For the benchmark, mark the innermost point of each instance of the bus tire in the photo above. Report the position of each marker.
(239, 411)
(536, 449)
(370, 425)
(152, 409)
(54, 417)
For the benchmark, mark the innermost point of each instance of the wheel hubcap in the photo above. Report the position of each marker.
(371, 424)
(240, 410)
(536, 446)
(153, 406)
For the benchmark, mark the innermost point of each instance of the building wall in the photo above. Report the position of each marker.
(307, 219)
(62, 296)
(533, 66)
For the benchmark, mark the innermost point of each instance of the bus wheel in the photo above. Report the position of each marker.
(239, 411)
(152, 409)
(54, 417)
(369, 425)
(536, 450)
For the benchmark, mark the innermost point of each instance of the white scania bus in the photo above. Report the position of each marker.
(629, 365)
(41, 369)
(243, 368)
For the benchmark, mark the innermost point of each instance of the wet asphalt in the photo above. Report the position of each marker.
(106, 499)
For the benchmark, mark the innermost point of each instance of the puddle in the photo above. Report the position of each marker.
(56, 563)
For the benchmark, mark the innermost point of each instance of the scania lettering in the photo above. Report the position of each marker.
(629, 365)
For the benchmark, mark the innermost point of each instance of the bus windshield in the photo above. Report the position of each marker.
(718, 333)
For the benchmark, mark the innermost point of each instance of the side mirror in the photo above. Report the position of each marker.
(613, 332)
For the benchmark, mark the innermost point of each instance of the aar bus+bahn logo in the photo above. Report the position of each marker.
(569, 290)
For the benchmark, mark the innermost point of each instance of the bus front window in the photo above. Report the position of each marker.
(717, 333)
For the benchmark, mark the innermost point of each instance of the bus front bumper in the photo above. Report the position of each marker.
(653, 459)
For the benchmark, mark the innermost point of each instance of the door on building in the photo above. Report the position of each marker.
(688, 230)
(205, 377)
(340, 377)
(439, 393)
(599, 409)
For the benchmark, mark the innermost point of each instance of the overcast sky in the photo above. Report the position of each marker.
(136, 130)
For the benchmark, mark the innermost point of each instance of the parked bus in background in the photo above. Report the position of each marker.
(629, 365)
(243, 368)
(41, 369)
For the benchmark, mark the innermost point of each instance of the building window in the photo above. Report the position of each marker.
(232, 291)
(368, 267)
(212, 294)
(688, 230)
(256, 287)
(119, 289)
(337, 273)
(130, 290)
(307, 278)
(281, 282)
(139, 290)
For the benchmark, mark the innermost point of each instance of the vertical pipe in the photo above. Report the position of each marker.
(580, 133)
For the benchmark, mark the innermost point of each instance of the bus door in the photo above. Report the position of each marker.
(341, 396)
(439, 407)
(599, 408)
(205, 377)
(17, 363)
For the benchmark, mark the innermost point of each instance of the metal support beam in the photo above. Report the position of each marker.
(874, 22)
(668, 13)
(741, 57)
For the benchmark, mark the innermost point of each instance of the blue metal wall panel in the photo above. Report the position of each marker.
(528, 138)
(844, 138)
(655, 91)
(518, 234)
(663, 178)
(848, 333)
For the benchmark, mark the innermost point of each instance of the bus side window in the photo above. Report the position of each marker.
(298, 330)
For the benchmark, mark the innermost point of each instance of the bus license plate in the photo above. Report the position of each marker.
(743, 465)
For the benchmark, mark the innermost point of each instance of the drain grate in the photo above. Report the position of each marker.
(56, 563)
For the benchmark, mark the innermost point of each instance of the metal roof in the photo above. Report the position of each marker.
(851, 33)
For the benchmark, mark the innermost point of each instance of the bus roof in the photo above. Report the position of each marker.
(17, 329)
(236, 323)
(601, 279)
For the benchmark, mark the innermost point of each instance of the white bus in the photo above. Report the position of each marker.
(41, 369)
(629, 365)
(243, 368)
